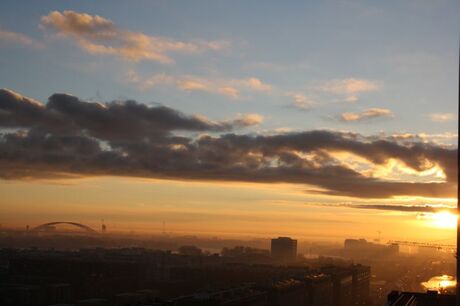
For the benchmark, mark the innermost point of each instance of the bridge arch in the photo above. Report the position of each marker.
(79, 225)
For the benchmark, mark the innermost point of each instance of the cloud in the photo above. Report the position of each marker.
(301, 101)
(403, 208)
(193, 83)
(153, 81)
(367, 114)
(255, 84)
(98, 35)
(248, 120)
(228, 91)
(230, 88)
(68, 115)
(68, 136)
(410, 208)
(443, 117)
(350, 87)
(446, 138)
(18, 38)
(227, 87)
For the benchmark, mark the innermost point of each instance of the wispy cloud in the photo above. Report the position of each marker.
(301, 101)
(332, 91)
(98, 35)
(231, 88)
(367, 114)
(248, 119)
(20, 39)
(349, 88)
(446, 139)
(442, 117)
(255, 84)
(403, 208)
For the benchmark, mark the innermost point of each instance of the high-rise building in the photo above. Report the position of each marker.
(320, 289)
(360, 284)
(342, 279)
(284, 249)
(360, 248)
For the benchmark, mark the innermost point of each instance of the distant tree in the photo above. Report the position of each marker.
(190, 250)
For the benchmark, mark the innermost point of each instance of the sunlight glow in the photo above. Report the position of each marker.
(440, 283)
(393, 169)
(444, 220)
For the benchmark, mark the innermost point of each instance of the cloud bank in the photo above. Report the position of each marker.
(68, 136)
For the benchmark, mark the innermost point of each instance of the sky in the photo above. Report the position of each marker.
(312, 119)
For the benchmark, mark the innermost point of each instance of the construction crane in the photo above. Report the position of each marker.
(449, 247)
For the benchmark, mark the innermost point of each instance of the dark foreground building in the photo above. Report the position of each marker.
(430, 298)
(134, 277)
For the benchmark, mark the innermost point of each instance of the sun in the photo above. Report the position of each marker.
(444, 219)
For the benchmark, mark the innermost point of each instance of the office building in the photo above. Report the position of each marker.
(284, 249)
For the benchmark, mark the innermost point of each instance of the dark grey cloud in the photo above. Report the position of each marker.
(66, 114)
(68, 136)
(403, 208)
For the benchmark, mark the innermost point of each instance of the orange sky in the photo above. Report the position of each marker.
(212, 209)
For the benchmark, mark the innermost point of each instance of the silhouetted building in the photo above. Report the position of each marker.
(361, 278)
(342, 280)
(288, 292)
(93, 302)
(320, 290)
(284, 249)
(31, 295)
(119, 277)
(244, 295)
(361, 248)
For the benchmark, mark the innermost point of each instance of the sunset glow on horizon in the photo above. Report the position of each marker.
(305, 120)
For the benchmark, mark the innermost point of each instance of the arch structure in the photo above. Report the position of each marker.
(82, 226)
